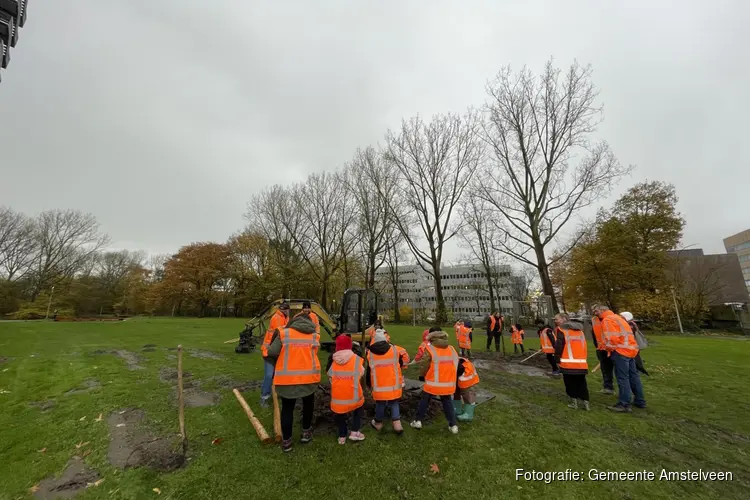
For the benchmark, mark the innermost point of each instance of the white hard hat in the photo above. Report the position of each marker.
(628, 316)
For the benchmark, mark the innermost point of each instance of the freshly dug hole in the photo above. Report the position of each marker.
(133, 445)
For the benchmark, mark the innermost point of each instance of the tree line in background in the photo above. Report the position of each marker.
(506, 179)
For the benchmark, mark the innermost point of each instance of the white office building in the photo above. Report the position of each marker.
(465, 290)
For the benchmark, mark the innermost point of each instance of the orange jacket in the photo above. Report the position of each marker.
(403, 355)
(346, 386)
(440, 379)
(574, 352)
(385, 375)
(617, 335)
(470, 377)
(464, 338)
(516, 335)
(544, 341)
(278, 321)
(596, 328)
(297, 363)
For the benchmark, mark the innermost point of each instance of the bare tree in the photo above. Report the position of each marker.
(17, 243)
(114, 267)
(543, 168)
(521, 281)
(435, 162)
(395, 257)
(371, 181)
(155, 266)
(66, 239)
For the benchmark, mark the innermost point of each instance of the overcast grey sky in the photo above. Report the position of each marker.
(162, 117)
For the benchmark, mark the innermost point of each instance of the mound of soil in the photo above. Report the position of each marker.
(85, 387)
(130, 358)
(43, 405)
(133, 445)
(74, 479)
(323, 417)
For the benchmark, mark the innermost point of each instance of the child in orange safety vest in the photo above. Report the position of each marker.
(465, 398)
(465, 336)
(384, 376)
(423, 346)
(439, 367)
(346, 371)
(517, 335)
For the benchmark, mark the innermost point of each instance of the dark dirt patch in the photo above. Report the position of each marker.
(225, 382)
(194, 398)
(3, 359)
(72, 481)
(148, 349)
(149, 345)
(130, 358)
(205, 355)
(85, 387)
(43, 405)
(133, 445)
(534, 367)
(167, 374)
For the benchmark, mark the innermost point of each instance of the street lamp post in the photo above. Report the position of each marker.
(49, 303)
(676, 309)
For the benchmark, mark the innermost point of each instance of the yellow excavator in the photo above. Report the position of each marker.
(359, 310)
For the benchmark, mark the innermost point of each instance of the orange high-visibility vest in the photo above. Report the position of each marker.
(403, 355)
(346, 387)
(421, 350)
(386, 375)
(440, 379)
(545, 342)
(618, 336)
(278, 321)
(596, 327)
(516, 335)
(575, 352)
(298, 361)
(464, 341)
(470, 377)
(493, 322)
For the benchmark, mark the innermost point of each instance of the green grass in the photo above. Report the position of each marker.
(698, 418)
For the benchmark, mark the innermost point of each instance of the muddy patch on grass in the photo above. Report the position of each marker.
(130, 358)
(133, 445)
(169, 375)
(149, 345)
(74, 479)
(86, 387)
(194, 396)
(530, 368)
(205, 355)
(4, 359)
(224, 382)
(43, 405)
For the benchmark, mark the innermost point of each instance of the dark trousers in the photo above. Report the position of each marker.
(576, 386)
(287, 414)
(552, 362)
(516, 346)
(448, 409)
(341, 419)
(628, 381)
(496, 336)
(607, 368)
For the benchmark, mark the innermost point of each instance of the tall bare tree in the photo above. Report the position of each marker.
(17, 244)
(66, 240)
(395, 256)
(371, 182)
(435, 162)
(543, 167)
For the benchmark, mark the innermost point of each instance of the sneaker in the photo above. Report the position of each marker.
(356, 436)
(573, 404)
(397, 427)
(642, 407)
(306, 436)
(264, 402)
(453, 429)
(286, 445)
(342, 440)
(378, 426)
(416, 424)
(607, 391)
(620, 408)
(586, 406)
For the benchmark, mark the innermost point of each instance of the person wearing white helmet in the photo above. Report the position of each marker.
(627, 316)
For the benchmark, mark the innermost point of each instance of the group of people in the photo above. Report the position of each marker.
(464, 334)
(290, 352)
(618, 352)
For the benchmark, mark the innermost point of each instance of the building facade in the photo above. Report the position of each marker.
(739, 244)
(12, 18)
(465, 290)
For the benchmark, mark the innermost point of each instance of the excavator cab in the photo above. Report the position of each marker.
(359, 310)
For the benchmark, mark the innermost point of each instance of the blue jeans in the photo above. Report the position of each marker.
(628, 381)
(356, 422)
(448, 409)
(380, 407)
(269, 368)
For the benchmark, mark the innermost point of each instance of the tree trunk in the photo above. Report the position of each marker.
(371, 272)
(488, 271)
(543, 269)
(441, 315)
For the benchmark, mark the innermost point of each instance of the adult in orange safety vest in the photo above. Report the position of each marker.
(307, 309)
(494, 330)
(605, 362)
(622, 347)
(294, 348)
(384, 376)
(571, 354)
(278, 320)
(464, 400)
(346, 372)
(439, 367)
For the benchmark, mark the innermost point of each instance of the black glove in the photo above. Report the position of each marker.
(421, 379)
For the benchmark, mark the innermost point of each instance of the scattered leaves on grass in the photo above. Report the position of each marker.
(434, 468)
(99, 418)
(120, 425)
(217, 441)
(82, 418)
(42, 450)
(95, 484)
(157, 491)
(86, 453)
(34, 488)
(3, 391)
(81, 444)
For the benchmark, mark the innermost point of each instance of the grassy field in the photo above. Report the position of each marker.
(698, 418)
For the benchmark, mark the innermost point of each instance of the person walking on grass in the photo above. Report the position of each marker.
(622, 347)
(278, 320)
(605, 362)
(384, 376)
(494, 330)
(571, 353)
(346, 371)
(294, 349)
(547, 342)
(439, 368)
(517, 335)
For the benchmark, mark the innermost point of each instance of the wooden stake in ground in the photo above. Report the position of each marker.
(532, 355)
(259, 429)
(596, 368)
(181, 400)
(276, 415)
